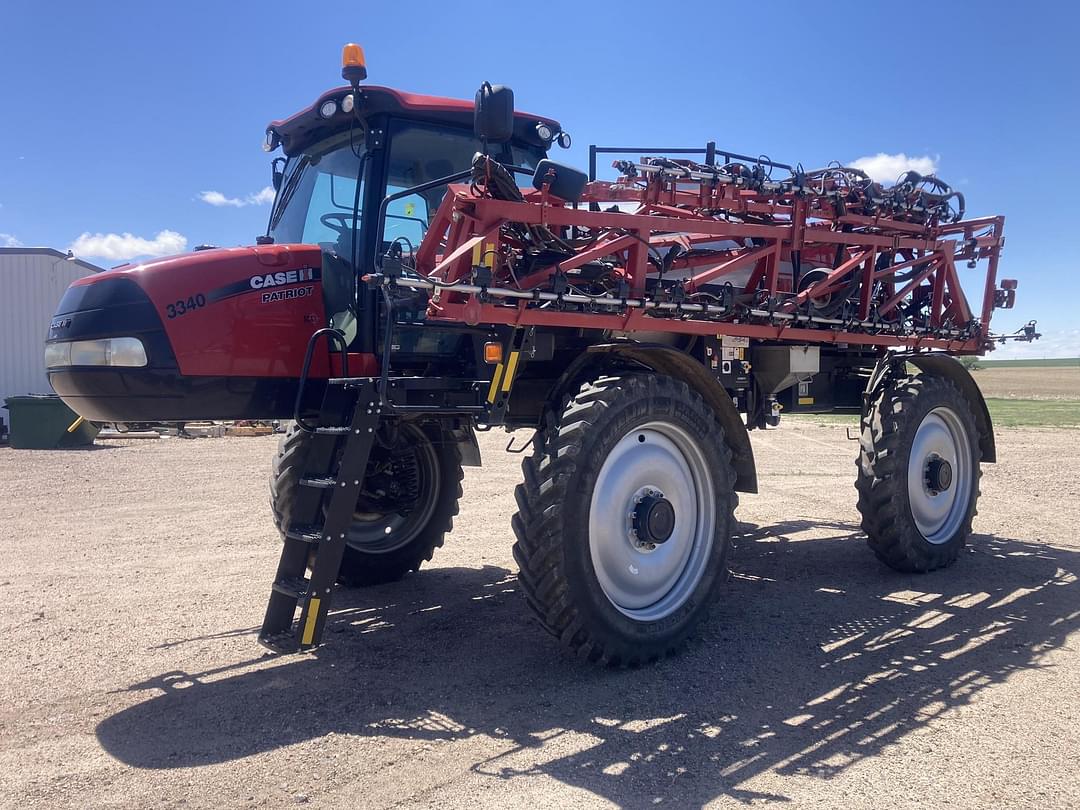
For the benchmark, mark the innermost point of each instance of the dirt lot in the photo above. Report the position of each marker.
(135, 574)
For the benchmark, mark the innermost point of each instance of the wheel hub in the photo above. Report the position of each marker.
(654, 519)
(939, 475)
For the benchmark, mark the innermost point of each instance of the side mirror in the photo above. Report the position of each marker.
(493, 120)
(277, 172)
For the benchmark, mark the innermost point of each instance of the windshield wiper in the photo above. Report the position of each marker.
(288, 189)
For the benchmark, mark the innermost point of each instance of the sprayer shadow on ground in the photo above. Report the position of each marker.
(817, 657)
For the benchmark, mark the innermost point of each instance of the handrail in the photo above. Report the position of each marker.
(332, 334)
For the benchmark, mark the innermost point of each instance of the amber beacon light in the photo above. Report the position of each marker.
(353, 68)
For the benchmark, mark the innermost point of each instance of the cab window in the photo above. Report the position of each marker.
(421, 153)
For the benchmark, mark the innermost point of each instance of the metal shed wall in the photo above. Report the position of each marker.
(32, 281)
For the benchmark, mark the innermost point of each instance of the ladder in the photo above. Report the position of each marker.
(324, 508)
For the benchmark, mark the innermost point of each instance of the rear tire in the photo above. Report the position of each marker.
(918, 478)
(609, 569)
(373, 556)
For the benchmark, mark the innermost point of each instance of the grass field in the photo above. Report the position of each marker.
(1039, 393)
(1053, 362)
(1003, 412)
(1034, 412)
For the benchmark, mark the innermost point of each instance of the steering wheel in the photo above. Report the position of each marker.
(344, 226)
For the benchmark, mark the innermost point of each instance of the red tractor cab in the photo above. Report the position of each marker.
(221, 333)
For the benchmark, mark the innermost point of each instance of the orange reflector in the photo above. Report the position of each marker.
(492, 353)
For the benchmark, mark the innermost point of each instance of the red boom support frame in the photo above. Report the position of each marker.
(898, 277)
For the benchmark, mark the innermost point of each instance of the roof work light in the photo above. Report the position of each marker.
(353, 68)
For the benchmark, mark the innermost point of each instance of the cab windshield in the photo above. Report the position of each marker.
(315, 203)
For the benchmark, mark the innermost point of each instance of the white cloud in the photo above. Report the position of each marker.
(264, 197)
(7, 240)
(219, 200)
(887, 168)
(1058, 343)
(123, 246)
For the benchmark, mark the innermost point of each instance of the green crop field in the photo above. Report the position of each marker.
(1034, 412)
(1003, 412)
(1019, 393)
(1053, 362)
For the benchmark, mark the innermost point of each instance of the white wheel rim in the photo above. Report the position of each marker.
(939, 513)
(645, 583)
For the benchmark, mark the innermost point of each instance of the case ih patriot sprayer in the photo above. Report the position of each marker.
(428, 273)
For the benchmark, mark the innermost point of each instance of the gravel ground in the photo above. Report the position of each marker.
(135, 575)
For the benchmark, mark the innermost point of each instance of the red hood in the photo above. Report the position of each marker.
(225, 259)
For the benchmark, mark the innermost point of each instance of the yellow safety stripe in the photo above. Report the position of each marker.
(495, 379)
(312, 617)
(511, 367)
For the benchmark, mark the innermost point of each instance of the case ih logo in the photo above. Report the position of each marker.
(265, 281)
(282, 277)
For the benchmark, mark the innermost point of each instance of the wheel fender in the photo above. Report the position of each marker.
(464, 437)
(673, 363)
(947, 366)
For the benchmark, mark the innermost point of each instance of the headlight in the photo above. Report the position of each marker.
(328, 108)
(123, 351)
(57, 354)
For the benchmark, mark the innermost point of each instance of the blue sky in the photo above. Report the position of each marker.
(118, 118)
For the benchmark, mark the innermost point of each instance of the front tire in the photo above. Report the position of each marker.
(918, 478)
(383, 545)
(625, 518)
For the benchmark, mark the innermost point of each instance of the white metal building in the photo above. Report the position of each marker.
(32, 281)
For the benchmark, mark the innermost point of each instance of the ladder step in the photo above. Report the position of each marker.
(283, 642)
(293, 587)
(318, 483)
(297, 610)
(305, 534)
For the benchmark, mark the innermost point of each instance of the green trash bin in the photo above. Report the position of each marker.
(41, 422)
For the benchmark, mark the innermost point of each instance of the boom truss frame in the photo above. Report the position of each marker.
(666, 218)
